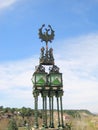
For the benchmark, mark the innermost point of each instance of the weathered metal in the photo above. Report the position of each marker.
(48, 35)
(46, 57)
(48, 84)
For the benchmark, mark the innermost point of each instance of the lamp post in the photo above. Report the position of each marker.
(48, 84)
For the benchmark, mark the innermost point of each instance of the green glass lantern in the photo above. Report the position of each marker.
(39, 79)
(55, 79)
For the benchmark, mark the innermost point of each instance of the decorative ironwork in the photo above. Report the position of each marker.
(46, 57)
(49, 85)
(54, 69)
(51, 54)
(36, 94)
(39, 68)
(47, 36)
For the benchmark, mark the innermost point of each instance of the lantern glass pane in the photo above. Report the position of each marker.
(56, 80)
(33, 79)
(40, 79)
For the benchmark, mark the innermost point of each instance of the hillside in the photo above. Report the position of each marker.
(24, 117)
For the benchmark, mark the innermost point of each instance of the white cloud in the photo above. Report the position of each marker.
(6, 3)
(15, 74)
(15, 82)
(79, 63)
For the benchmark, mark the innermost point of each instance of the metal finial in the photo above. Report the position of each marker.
(47, 35)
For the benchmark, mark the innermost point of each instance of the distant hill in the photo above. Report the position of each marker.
(78, 113)
(77, 119)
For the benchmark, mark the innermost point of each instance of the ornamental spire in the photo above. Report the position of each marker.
(46, 35)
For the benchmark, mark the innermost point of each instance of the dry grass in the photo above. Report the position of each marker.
(84, 123)
(22, 128)
(3, 124)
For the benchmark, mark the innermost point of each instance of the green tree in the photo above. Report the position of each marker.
(12, 125)
(13, 110)
(23, 112)
(28, 112)
(68, 126)
(1, 108)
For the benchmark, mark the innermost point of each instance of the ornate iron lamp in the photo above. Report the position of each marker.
(39, 78)
(49, 85)
(55, 78)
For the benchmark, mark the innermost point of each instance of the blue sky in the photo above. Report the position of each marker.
(75, 49)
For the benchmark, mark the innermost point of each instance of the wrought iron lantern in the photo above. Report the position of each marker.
(55, 78)
(39, 78)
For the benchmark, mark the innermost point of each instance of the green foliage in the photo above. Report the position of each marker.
(12, 125)
(68, 126)
(72, 113)
(25, 112)
(86, 111)
(12, 110)
(76, 113)
(7, 109)
(1, 108)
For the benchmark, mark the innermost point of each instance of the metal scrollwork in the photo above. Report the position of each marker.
(51, 53)
(39, 68)
(54, 69)
(42, 52)
(47, 36)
